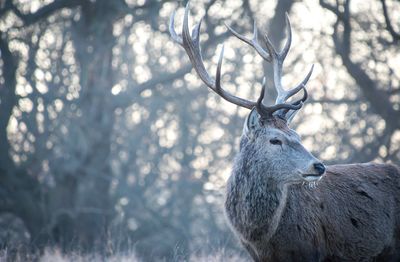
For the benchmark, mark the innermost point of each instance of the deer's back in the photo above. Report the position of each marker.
(353, 214)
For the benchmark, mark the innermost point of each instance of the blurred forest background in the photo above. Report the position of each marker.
(110, 142)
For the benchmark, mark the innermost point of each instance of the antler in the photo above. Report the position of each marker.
(277, 58)
(191, 44)
(252, 42)
(267, 111)
(277, 63)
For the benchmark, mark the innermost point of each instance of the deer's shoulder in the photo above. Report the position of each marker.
(366, 176)
(361, 169)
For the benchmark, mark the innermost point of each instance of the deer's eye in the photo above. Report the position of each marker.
(275, 141)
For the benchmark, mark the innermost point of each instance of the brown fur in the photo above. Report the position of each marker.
(352, 215)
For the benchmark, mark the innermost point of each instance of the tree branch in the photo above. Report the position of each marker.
(124, 99)
(8, 99)
(43, 12)
(389, 27)
(331, 101)
(332, 8)
(378, 99)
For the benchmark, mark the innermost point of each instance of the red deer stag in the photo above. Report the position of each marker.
(353, 214)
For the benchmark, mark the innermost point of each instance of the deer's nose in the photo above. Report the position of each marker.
(320, 168)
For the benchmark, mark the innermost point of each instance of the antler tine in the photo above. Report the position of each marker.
(251, 42)
(172, 31)
(196, 33)
(304, 98)
(267, 111)
(301, 85)
(193, 50)
(218, 89)
(277, 62)
(191, 44)
(289, 115)
(301, 100)
(288, 43)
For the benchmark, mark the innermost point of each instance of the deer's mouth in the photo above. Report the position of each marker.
(311, 177)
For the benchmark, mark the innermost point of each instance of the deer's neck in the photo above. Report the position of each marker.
(259, 237)
(266, 204)
(276, 215)
(255, 204)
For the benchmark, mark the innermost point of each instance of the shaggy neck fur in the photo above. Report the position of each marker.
(277, 214)
(256, 205)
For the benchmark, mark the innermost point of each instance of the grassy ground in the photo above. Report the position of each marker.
(55, 255)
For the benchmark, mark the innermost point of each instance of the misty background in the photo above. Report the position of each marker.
(110, 142)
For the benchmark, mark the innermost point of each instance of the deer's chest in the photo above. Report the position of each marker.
(315, 226)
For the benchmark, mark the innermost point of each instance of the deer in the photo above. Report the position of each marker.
(283, 203)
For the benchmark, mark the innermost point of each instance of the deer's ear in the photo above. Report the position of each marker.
(252, 123)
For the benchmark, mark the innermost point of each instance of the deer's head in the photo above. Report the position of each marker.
(277, 149)
(266, 137)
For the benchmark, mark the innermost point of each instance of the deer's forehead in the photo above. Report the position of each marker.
(282, 132)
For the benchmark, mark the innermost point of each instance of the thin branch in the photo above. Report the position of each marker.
(125, 100)
(332, 8)
(394, 91)
(330, 101)
(389, 27)
(43, 12)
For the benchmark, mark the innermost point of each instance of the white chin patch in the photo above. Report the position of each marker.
(312, 178)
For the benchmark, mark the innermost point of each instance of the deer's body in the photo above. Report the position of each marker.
(353, 214)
